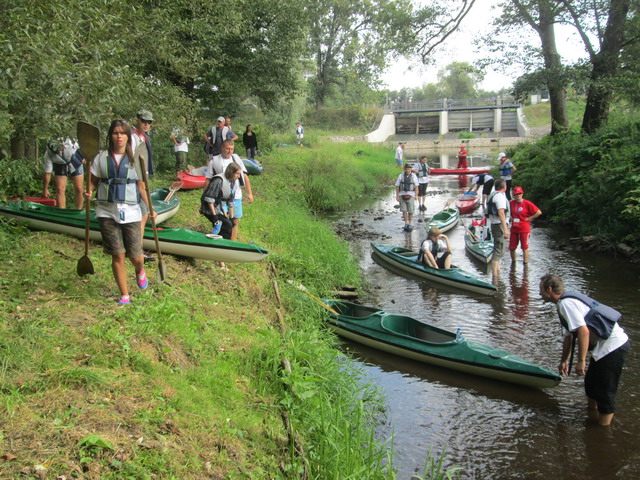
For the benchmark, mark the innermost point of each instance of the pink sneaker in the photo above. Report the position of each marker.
(142, 280)
(124, 300)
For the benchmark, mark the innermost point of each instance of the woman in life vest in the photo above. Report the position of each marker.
(217, 199)
(118, 187)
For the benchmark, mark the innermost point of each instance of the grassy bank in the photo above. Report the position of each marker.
(188, 381)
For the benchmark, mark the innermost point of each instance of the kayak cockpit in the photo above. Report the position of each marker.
(409, 327)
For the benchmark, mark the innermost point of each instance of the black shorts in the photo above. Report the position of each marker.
(601, 381)
(422, 189)
(440, 260)
(487, 187)
(67, 170)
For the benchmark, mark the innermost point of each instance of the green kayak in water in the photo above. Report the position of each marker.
(409, 338)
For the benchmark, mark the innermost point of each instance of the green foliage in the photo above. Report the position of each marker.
(587, 182)
(345, 118)
(20, 177)
(466, 135)
(434, 468)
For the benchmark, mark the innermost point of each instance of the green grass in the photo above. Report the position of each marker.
(539, 115)
(188, 382)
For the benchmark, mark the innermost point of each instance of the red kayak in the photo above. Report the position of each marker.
(49, 202)
(459, 171)
(192, 179)
(467, 202)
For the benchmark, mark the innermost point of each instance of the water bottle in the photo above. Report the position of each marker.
(216, 227)
(459, 334)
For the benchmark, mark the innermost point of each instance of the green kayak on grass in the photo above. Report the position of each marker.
(176, 241)
(409, 338)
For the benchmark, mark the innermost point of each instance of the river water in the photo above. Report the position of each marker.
(495, 430)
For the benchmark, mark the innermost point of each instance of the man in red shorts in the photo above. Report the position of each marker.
(522, 212)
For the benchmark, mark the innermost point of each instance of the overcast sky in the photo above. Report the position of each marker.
(460, 48)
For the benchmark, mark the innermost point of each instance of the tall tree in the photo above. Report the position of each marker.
(588, 18)
(542, 16)
(459, 80)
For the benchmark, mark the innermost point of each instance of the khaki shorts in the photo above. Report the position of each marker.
(408, 206)
(119, 238)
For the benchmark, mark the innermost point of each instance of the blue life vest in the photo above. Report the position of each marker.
(117, 184)
(505, 171)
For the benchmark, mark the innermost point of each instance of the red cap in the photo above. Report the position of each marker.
(518, 190)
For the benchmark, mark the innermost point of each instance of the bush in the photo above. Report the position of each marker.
(589, 183)
(20, 177)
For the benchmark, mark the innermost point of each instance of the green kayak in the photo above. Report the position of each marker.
(445, 219)
(409, 338)
(406, 261)
(176, 241)
(479, 243)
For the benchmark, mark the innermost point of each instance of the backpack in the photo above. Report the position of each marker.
(492, 209)
(600, 319)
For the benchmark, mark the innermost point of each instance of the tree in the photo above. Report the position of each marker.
(588, 18)
(542, 16)
(459, 80)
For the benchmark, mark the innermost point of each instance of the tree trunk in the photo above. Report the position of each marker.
(604, 66)
(553, 66)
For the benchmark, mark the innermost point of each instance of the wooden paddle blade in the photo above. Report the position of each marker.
(89, 140)
(161, 273)
(141, 157)
(85, 266)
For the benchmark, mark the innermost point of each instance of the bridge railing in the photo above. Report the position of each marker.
(446, 103)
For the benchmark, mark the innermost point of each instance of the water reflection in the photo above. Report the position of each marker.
(491, 429)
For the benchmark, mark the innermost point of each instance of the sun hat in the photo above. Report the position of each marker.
(145, 115)
(220, 119)
(502, 154)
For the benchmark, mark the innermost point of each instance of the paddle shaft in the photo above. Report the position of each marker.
(143, 171)
(317, 300)
(473, 235)
(87, 208)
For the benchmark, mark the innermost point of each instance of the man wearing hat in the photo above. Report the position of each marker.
(522, 212)
(218, 134)
(140, 134)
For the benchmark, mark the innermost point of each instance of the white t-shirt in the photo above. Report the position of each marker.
(574, 311)
(181, 146)
(225, 163)
(119, 212)
(500, 201)
(399, 153)
(422, 177)
(428, 245)
(411, 192)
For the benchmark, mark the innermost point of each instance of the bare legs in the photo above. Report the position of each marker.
(120, 273)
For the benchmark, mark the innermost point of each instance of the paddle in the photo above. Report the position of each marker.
(471, 234)
(141, 156)
(314, 298)
(175, 186)
(89, 139)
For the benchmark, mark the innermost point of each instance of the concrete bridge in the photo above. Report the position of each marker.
(494, 117)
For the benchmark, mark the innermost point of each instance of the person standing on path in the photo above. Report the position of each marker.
(421, 169)
(406, 192)
(63, 160)
(400, 155)
(180, 149)
(250, 142)
(140, 134)
(118, 200)
(607, 354)
(498, 212)
(522, 212)
(299, 133)
(218, 166)
(506, 169)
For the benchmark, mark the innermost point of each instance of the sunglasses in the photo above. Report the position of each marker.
(147, 122)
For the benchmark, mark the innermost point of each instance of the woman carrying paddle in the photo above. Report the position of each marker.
(117, 206)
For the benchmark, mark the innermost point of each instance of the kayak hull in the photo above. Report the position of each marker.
(176, 241)
(405, 261)
(467, 202)
(459, 171)
(409, 338)
(480, 249)
(192, 179)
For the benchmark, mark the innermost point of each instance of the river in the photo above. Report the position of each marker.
(495, 430)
